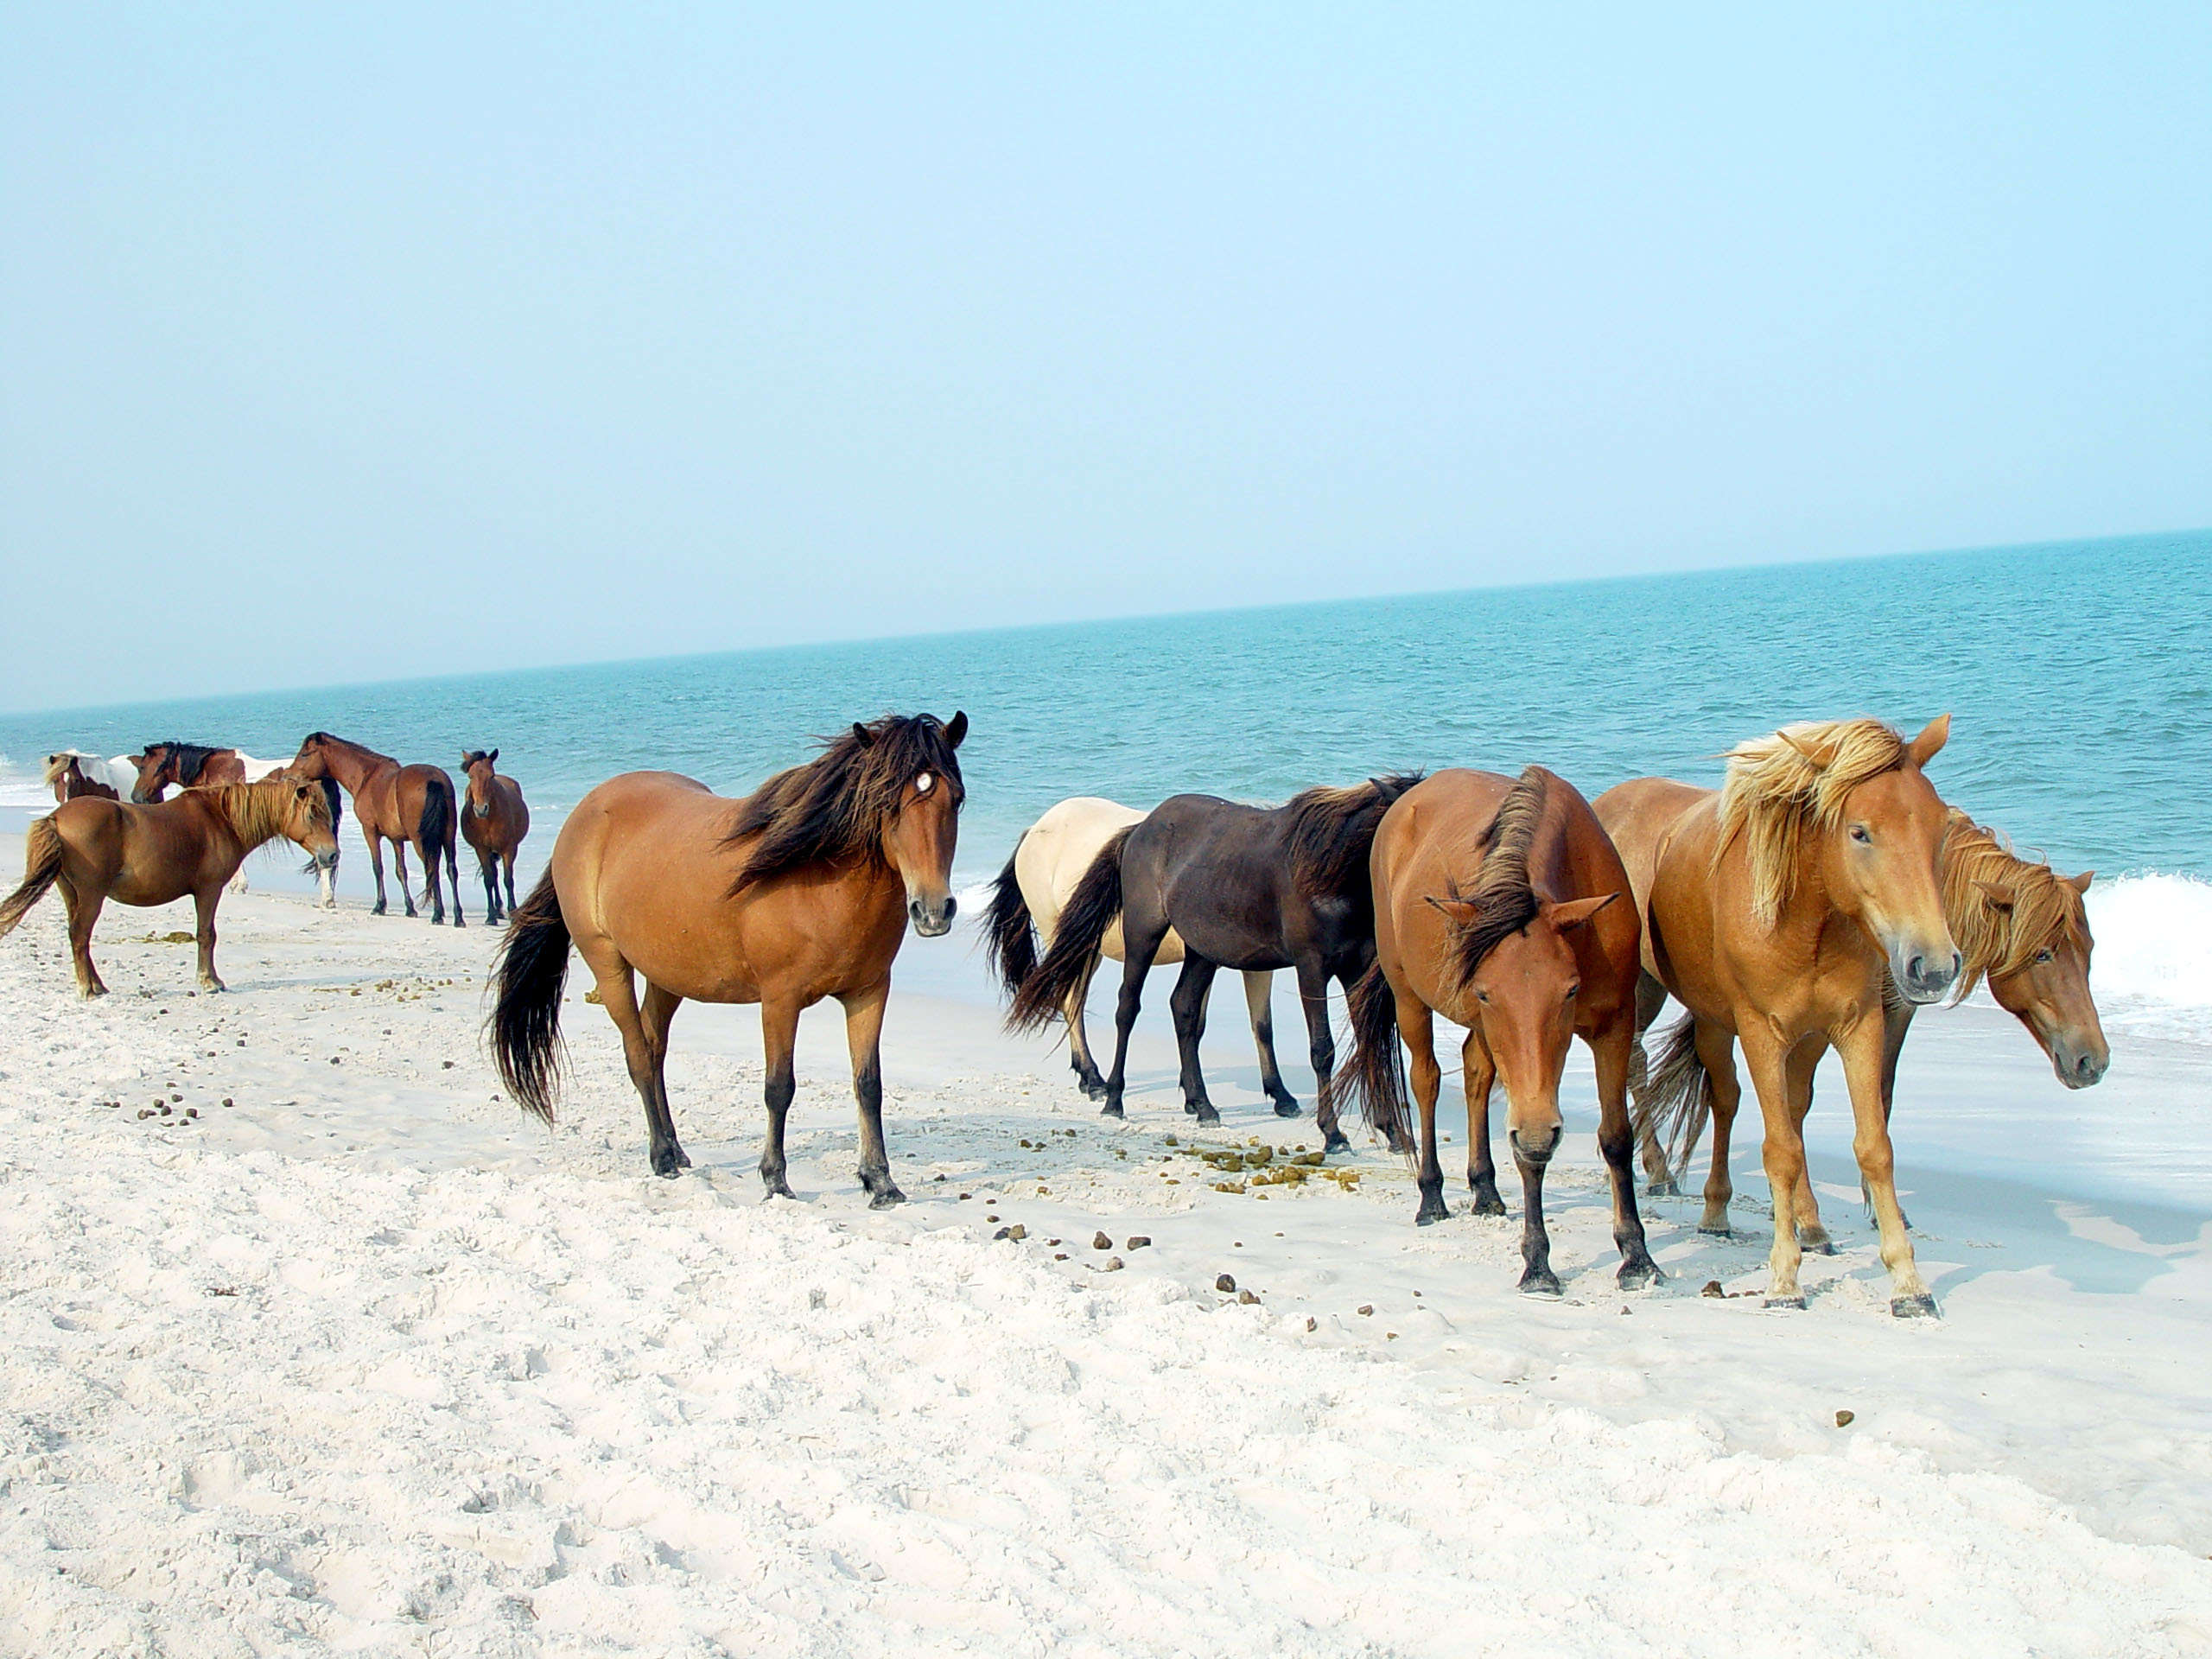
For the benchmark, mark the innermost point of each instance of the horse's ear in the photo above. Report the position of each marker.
(862, 735)
(464, 759)
(1929, 743)
(1575, 912)
(2081, 883)
(493, 756)
(957, 727)
(1802, 747)
(1462, 911)
(1995, 897)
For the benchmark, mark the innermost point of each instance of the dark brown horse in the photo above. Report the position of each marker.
(493, 820)
(96, 850)
(800, 890)
(67, 780)
(400, 804)
(1247, 887)
(189, 766)
(1493, 906)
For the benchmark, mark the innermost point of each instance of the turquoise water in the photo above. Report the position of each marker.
(2076, 673)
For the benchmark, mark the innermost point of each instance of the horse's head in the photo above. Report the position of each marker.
(157, 772)
(313, 758)
(480, 766)
(1520, 997)
(309, 821)
(2048, 990)
(923, 822)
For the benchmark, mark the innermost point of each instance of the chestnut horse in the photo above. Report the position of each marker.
(1779, 912)
(66, 777)
(800, 890)
(2019, 924)
(1026, 904)
(100, 849)
(493, 820)
(396, 804)
(1248, 887)
(1494, 908)
(188, 766)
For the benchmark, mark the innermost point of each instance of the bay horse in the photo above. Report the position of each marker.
(65, 776)
(1779, 912)
(493, 820)
(1493, 906)
(1032, 889)
(2019, 924)
(800, 890)
(198, 765)
(400, 804)
(1248, 887)
(97, 849)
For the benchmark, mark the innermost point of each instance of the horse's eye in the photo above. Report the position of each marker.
(923, 784)
(1481, 996)
(1859, 834)
(1571, 991)
(2043, 956)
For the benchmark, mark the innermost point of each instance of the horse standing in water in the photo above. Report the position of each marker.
(67, 778)
(1779, 913)
(1493, 906)
(1248, 887)
(97, 849)
(1026, 904)
(802, 889)
(493, 820)
(396, 804)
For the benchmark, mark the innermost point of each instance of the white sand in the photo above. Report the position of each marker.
(367, 1362)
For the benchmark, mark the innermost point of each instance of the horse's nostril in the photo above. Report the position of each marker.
(951, 909)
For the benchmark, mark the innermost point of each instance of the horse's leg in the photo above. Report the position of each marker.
(1321, 1050)
(1861, 1049)
(453, 873)
(1138, 950)
(1897, 1025)
(1417, 1030)
(618, 993)
(1811, 1234)
(83, 911)
(1259, 998)
(1189, 1007)
(864, 1037)
(432, 892)
(1479, 1072)
(399, 870)
(1612, 1050)
(509, 862)
(203, 905)
(1086, 1069)
(779, 1037)
(1650, 997)
(487, 865)
(376, 863)
(1716, 1052)
(1784, 1155)
(655, 1014)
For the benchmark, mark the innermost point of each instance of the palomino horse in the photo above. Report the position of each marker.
(493, 820)
(802, 889)
(100, 849)
(1026, 904)
(1252, 888)
(65, 776)
(2019, 924)
(1494, 908)
(1778, 913)
(396, 804)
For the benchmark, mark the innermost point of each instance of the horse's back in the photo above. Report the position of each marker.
(1058, 848)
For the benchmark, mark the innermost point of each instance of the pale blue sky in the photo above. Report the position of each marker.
(413, 339)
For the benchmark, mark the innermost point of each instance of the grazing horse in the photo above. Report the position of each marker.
(101, 850)
(493, 820)
(1494, 908)
(1252, 888)
(1780, 912)
(2019, 924)
(65, 776)
(396, 804)
(802, 889)
(1026, 905)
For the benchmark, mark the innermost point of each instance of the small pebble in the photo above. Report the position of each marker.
(1366, 1307)
(1713, 1288)
(1845, 1419)
(1389, 1336)
(227, 1101)
(1247, 1298)
(192, 1111)
(334, 1060)
(964, 1197)
(1059, 1256)
(178, 1098)
(1312, 1323)
(1112, 1265)
(1100, 1241)
(1224, 1283)
(1139, 1241)
(145, 1112)
(1016, 1232)
(990, 1218)
(447, 1065)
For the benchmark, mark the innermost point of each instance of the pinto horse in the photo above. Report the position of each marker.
(97, 849)
(1493, 906)
(493, 820)
(1780, 912)
(800, 890)
(1252, 888)
(1026, 905)
(2020, 925)
(396, 804)
(65, 776)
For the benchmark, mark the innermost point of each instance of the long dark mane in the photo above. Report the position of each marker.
(834, 807)
(191, 758)
(1332, 829)
(1505, 902)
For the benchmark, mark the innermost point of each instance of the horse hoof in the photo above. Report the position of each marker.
(890, 1197)
(1729, 1233)
(1639, 1275)
(1335, 1143)
(1093, 1088)
(682, 1157)
(1796, 1302)
(376, 909)
(1921, 1306)
(1402, 1147)
(774, 1186)
(1820, 1244)
(1207, 1114)
(1540, 1283)
(1189, 1110)
(1112, 1108)
(1431, 1212)
(1286, 1107)
(1666, 1189)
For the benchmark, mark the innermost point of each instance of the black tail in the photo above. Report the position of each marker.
(1009, 937)
(527, 976)
(1091, 909)
(42, 854)
(1676, 1101)
(1373, 1073)
(433, 835)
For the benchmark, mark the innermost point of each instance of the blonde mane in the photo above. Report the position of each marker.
(261, 812)
(1782, 787)
(2040, 907)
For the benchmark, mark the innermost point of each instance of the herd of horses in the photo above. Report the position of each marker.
(1813, 902)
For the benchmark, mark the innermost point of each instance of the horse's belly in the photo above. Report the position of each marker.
(1111, 947)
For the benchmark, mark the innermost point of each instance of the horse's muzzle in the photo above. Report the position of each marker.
(2078, 1067)
(1924, 979)
(1537, 1150)
(932, 921)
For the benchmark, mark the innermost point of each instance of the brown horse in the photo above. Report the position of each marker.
(2019, 924)
(1779, 912)
(67, 780)
(1494, 908)
(97, 849)
(800, 890)
(493, 820)
(188, 765)
(400, 804)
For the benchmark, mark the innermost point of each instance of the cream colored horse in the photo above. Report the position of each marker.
(1024, 911)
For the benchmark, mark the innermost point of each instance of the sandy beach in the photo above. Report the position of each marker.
(332, 1348)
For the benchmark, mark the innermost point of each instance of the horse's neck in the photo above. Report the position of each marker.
(351, 764)
(252, 819)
